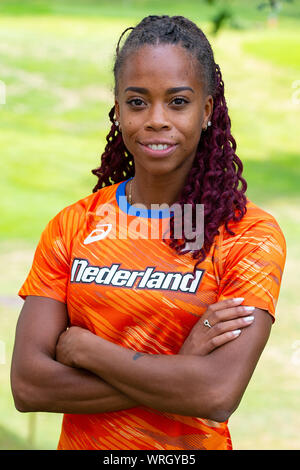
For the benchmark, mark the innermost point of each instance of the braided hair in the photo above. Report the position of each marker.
(216, 171)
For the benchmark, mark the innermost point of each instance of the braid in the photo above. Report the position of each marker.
(215, 176)
(116, 163)
(216, 171)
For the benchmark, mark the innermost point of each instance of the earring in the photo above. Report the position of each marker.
(208, 124)
(117, 123)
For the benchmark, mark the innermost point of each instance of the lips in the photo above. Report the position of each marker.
(157, 142)
(158, 148)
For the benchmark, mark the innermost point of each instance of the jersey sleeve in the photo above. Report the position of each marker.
(254, 265)
(49, 273)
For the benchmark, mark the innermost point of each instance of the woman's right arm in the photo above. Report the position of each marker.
(39, 382)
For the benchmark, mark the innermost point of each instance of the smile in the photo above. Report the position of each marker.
(159, 146)
(159, 149)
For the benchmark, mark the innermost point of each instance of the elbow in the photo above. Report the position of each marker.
(20, 401)
(226, 405)
(214, 412)
(21, 398)
(21, 406)
(222, 408)
(23, 395)
(217, 408)
(219, 414)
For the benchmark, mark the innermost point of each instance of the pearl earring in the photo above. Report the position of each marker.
(208, 124)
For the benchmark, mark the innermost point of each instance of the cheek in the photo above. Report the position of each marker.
(130, 126)
(189, 124)
(129, 136)
(192, 138)
(192, 134)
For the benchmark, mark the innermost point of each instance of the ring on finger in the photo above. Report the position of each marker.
(206, 323)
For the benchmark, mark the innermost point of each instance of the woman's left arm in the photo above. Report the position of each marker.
(209, 386)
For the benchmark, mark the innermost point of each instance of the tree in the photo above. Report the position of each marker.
(225, 12)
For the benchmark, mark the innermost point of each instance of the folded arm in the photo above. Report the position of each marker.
(41, 383)
(209, 385)
(75, 371)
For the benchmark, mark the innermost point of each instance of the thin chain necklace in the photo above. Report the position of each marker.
(130, 192)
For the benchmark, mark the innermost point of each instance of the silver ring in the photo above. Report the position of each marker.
(206, 323)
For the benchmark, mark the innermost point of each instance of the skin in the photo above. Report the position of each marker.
(191, 383)
(153, 114)
(74, 371)
(39, 381)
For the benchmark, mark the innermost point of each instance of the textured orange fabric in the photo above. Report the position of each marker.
(135, 293)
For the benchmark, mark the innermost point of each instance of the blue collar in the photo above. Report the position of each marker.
(137, 211)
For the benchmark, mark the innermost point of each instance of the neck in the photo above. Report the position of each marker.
(149, 189)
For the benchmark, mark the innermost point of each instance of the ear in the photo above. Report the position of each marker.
(208, 109)
(117, 110)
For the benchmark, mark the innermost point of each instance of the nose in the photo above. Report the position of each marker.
(157, 118)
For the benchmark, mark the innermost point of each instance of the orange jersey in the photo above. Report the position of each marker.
(137, 292)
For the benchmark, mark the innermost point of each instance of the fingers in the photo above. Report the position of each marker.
(226, 303)
(231, 325)
(227, 319)
(223, 332)
(230, 314)
(219, 340)
(227, 310)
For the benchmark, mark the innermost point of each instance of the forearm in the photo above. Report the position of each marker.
(163, 382)
(53, 387)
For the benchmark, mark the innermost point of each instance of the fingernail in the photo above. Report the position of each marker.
(249, 319)
(249, 309)
(238, 299)
(236, 332)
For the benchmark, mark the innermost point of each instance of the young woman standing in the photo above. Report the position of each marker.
(162, 339)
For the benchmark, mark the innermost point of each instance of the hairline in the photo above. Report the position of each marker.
(195, 63)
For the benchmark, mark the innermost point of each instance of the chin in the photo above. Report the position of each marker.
(159, 170)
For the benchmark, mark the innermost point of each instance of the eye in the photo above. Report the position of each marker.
(136, 102)
(179, 101)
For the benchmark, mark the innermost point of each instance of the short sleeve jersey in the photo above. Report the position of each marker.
(136, 291)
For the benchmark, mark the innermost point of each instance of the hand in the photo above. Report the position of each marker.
(70, 344)
(226, 318)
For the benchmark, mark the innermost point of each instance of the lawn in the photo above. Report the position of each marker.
(56, 61)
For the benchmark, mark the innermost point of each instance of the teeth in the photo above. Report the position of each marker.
(158, 146)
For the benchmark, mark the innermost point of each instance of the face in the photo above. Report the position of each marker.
(161, 107)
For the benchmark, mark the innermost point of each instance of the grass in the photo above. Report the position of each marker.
(56, 61)
(282, 50)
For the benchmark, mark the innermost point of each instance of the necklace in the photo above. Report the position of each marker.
(130, 193)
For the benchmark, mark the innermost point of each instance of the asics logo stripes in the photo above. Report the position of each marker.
(98, 234)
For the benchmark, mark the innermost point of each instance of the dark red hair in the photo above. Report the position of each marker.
(216, 171)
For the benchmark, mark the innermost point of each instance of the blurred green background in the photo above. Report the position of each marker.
(55, 93)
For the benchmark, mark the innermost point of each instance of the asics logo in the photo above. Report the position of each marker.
(98, 234)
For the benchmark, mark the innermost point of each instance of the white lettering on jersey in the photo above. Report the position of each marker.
(82, 272)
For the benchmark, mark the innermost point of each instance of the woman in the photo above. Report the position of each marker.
(162, 338)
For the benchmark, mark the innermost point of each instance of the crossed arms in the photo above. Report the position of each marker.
(62, 370)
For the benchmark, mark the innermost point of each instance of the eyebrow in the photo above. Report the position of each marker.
(170, 91)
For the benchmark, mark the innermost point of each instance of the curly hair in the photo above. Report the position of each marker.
(216, 171)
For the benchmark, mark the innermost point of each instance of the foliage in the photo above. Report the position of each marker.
(56, 60)
(225, 12)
